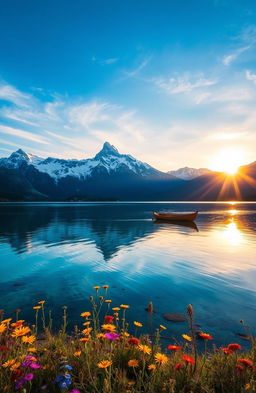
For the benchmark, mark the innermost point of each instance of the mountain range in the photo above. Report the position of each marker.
(114, 176)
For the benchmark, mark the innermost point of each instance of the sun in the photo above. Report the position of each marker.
(228, 160)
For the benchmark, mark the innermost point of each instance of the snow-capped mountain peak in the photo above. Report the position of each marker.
(107, 150)
(187, 173)
(19, 158)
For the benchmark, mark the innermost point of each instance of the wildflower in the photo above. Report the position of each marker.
(160, 358)
(115, 308)
(84, 339)
(205, 336)
(174, 347)
(105, 286)
(32, 349)
(20, 331)
(234, 347)
(138, 324)
(34, 366)
(77, 353)
(226, 351)
(188, 359)
(87, 331)
(112, 336)
(178, 366)
(16, 374)
(115, 314)
(28, 377)
(8, 320)
(124, 306)
(133, 363)
(86, 323)
(108, 326)
(246, 362)
(100, 335)
(247, 386)
(97, 287)
(2, 328)
(37, 307)
(108, 301)
(28, 339)
(75, 391)
(152, 367)
(108, 319)
(125, 334)
(8, 363)
(239, 369)
(85, 314)
(134, 341)
(17, 324)
(186, 337)
(104, 364)
(41, 302)
(15, 366)
(19, 384)
(162, 327)
(145, 349)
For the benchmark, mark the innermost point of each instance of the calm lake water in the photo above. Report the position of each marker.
(58, 252)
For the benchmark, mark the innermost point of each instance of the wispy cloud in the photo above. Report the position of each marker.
(138, 69)
(23, 134)
(11, 94)
(108, 61)
(183, 84)
(228, 59)
(250, 76)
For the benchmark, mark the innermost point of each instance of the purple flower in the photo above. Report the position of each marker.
(28, 377)
(34, 366)
(75, 391)
(29, 357)
(26, 363)
(112, 336)
(19, 384)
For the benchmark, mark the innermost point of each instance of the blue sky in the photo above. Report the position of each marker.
(170, 82)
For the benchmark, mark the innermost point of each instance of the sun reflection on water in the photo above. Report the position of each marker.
(232, 235)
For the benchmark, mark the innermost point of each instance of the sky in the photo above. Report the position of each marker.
(171, 82)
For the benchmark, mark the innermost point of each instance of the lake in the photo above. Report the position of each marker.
(57, 252)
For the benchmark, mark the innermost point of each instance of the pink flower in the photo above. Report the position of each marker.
(34, 366)
(28, 377)
(112, 336)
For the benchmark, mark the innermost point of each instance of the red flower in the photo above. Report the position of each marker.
(206, 336)
(188, 359)
(134, 341)
(174, 347)
(16, 374)
(178, 366)
(239, 368)
(108, 319)
(246, 362)
(226, 351)
(233, 347)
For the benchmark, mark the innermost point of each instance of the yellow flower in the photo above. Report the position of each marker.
(104, 364)
(125, 334)
(28, 339)
(133, 363)
(108, 301)
(6, 320)
(137, 324)
(15, 366)
(77, 353)
(125, 306)
(145, 349)
(108, 326)
(160, 358)
(86, 323)
(105, 286)
(37, 307)
(115, 308)
(9, 363)
(162, 327)
(101, 335)
(186, 337)
(20, 331)
(85, 314)
(3, 327)
(32, 349)
(87, 331)
(152, 367)
(41, 302)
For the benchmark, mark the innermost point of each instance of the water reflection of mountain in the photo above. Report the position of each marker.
(109, 230)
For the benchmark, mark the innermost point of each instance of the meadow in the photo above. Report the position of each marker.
(107, 353)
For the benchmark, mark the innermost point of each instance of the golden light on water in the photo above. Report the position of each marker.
(231, 234)
(232, 212)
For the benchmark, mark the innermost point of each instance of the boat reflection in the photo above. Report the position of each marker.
(188, 224)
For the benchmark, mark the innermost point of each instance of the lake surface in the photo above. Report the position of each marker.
(57, 252)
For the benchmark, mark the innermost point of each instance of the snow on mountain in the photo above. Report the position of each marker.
(187, 173)
(108, 159)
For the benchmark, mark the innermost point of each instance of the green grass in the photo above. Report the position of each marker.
(94, 361)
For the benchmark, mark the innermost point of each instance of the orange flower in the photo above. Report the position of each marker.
(97, 287)
(37, 307)
(86, 323)
(9, 363)
(246, 362)
(41, 302)
(234, 347)
(186, 337)
(174, 347)
(152, 367)
(133, 363)
(188, 359)
(77, 353)
(18, 323)
(205, 336)
(85, 314)
(87, 331)
(104, 364)
(6, 320)
(108, 301)
(28, 339)
(15, 366)
(32, 349)
(162, 327)
(145, 349)
(160, 358)
(20, 331)
(115, 308)
(108, 326)
(138, 324)
(105, 286)
(84, 340)
(101, 335)
(124, 306)
(2, 328)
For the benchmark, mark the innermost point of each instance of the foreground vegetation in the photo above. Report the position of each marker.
(102, 356)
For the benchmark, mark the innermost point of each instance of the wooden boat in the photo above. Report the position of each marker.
(176, 216)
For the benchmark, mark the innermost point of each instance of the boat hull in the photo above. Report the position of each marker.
(175, 216)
